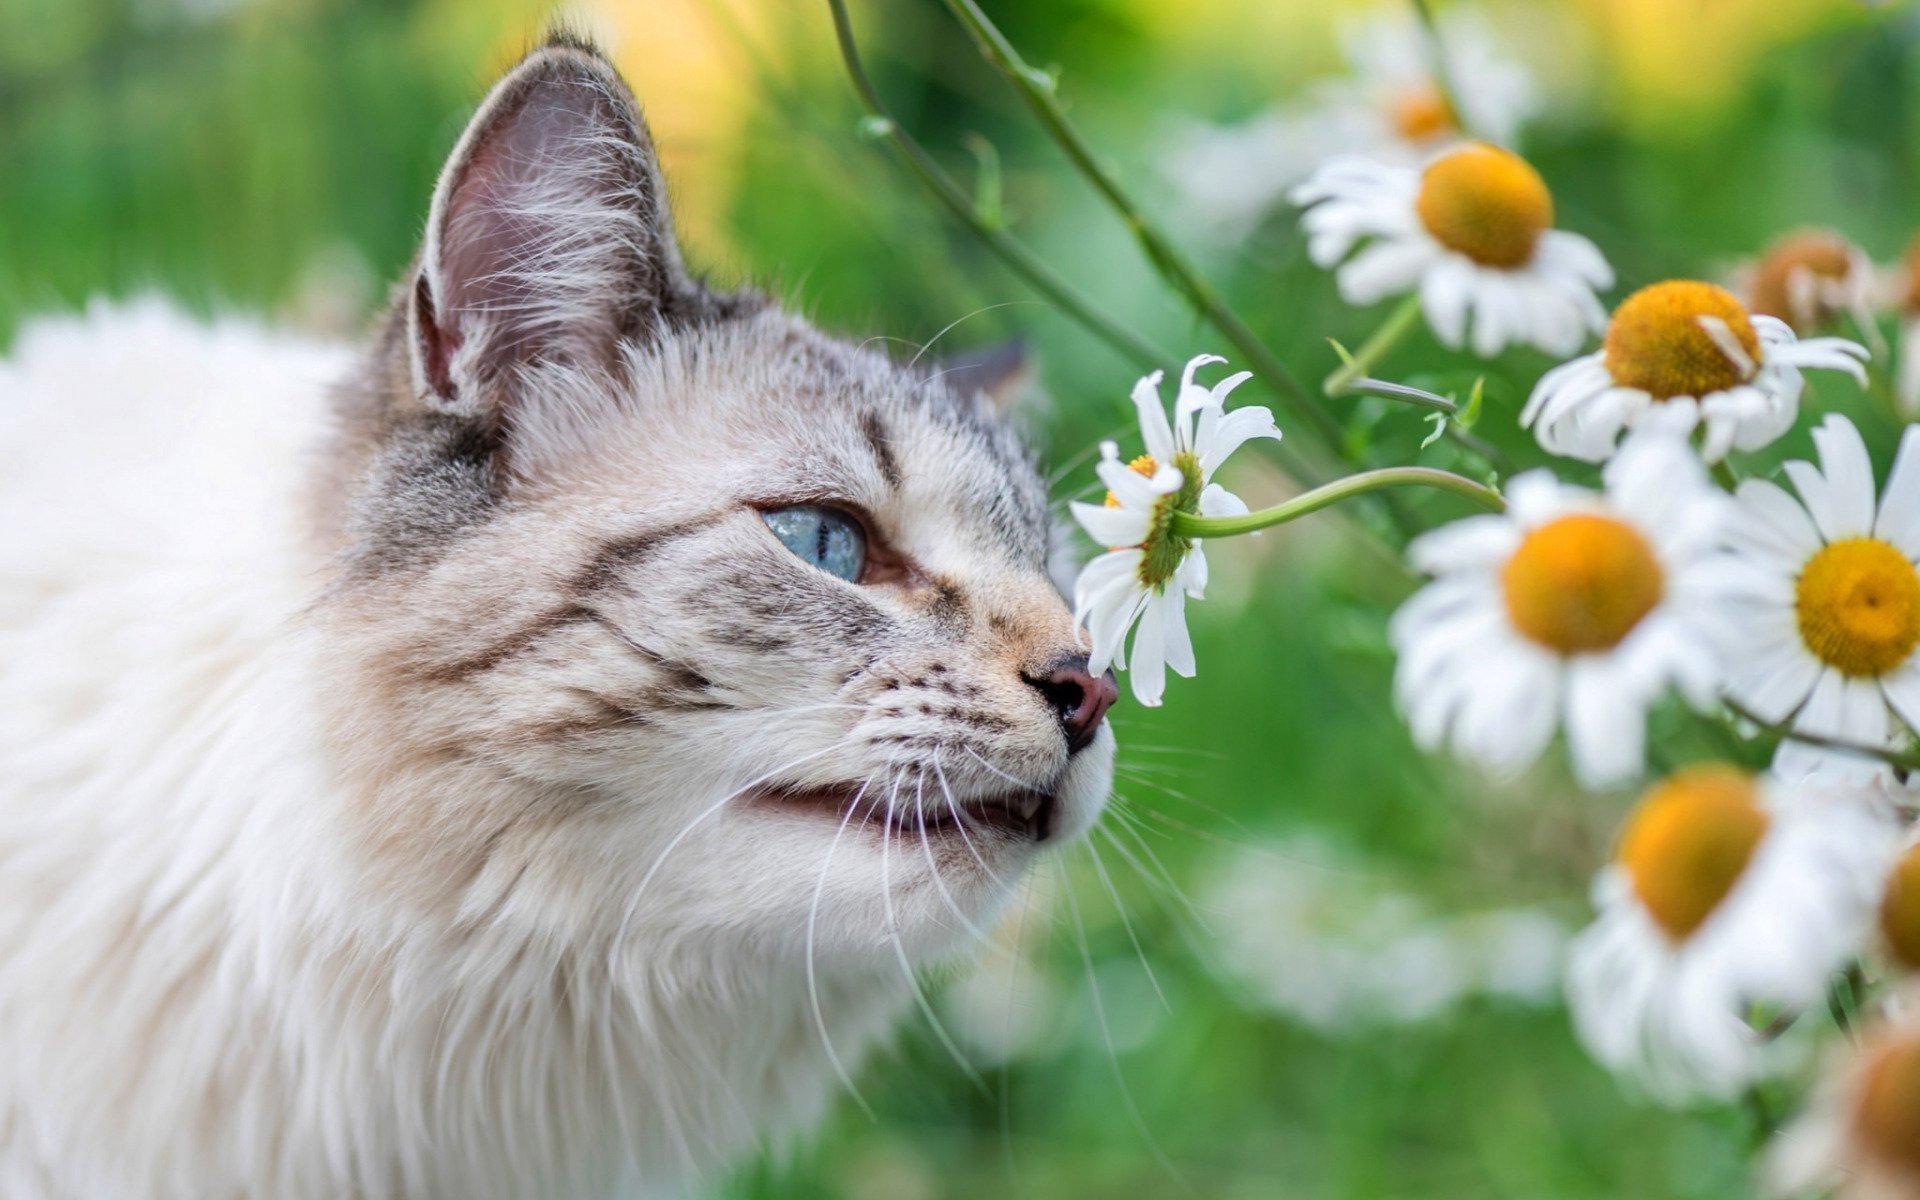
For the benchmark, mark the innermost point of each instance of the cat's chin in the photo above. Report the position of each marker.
(1019, 815)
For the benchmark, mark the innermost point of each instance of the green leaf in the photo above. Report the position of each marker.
(1471, 412)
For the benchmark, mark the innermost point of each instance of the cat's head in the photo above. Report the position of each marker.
(657, 607)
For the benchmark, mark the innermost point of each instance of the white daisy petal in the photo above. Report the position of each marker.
(1899, 519)
(1112, 526)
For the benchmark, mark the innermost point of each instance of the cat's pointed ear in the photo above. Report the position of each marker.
(549, 240)
(1002, 373)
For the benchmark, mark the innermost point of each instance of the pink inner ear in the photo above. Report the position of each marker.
(437, 344)
(552, 238)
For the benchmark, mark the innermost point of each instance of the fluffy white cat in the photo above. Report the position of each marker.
(522, 757)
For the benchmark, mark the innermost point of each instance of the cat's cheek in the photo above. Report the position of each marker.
(1084, 789)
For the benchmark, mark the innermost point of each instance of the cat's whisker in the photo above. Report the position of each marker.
(633, 900)
(1175, 794)
(813, 982)
(906, 965)
(1081, 458)
(1126, 922)
(933, 867)
(955, 324)
(940, 776)
(1126, 823)
(1106, 1032)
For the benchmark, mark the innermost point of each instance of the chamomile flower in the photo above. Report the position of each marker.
(1727, 891)
(1807, 277)
(1571, 609)
(1149, 570)
(1823, 595)
(1388, 107)
(1903, 290)
(1860, 1136)
(1472, 233)
(1900, 909)
(1687, 345)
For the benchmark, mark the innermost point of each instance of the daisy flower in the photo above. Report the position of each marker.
(1823, 596)
(1726, 891)
(1569, 608)
(1904, 294)
(1808, 276)
(1388, 107)
(1688, 345)
(1149, 571)
(1472, 233)
(1860, 1136)
(1900, 909)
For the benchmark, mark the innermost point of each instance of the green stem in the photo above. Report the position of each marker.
(1360, 364)
(1442, 71)
(1908, 761)
(1194, 525)
(1036, 88)
(1402, 394)
(1724, 476)
(1010, 250)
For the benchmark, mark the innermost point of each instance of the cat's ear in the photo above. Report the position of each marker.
(1002, 373)
(549, 240)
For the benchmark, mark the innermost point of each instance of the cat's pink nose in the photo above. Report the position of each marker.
(1078, 697)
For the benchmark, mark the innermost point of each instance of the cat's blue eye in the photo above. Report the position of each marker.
(825, 537)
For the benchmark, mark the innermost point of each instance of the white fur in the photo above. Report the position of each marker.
(210, 988)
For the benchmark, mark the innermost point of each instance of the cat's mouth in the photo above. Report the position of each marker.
(1022, 814)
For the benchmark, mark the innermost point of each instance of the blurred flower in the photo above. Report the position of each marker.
(1904, 286)
(1683, 344)
(1727, 891)
(1390, 108)
(1859, 1138)
(1314, 935)
(1473, 233)
(1900, 909)
(1807, 277)
(1570, 607)
(1823, 597)
(1149, 569)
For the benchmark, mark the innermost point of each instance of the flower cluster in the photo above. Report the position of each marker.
(1784, 615)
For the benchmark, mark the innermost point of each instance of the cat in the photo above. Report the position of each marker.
(524, 757)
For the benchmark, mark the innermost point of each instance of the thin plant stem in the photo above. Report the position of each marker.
(1442, 69)
(1351, 378)
(1902, 761)
(1194, 525)
(1010, 250)
(1378, 344)
(1402, 394)
(1037, 89)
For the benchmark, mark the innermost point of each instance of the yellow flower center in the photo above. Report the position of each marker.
(1858, 606)
(1486, 203)
(1814, 252)
(1420, 112)
(1164, 549)
(1658, 341)
(1886, 1117)
(1689, 841)
(1900, 910)
(1144, 465)
(1579, 583)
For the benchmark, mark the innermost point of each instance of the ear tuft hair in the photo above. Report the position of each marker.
(1001, 372)
(549, 239)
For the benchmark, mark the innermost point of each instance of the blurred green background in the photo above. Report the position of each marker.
(1333, 977)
